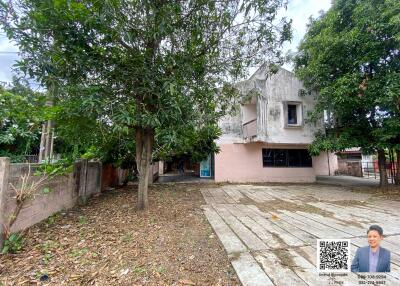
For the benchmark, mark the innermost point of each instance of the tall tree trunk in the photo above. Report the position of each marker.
(144, 144)
(383, 179)
(397, 177)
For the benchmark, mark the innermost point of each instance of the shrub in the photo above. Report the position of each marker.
(13, 243)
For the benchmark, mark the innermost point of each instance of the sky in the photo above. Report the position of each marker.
(298, 10)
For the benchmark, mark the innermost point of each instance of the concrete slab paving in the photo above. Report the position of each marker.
(270, 232)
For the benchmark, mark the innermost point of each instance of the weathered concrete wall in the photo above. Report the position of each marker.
(90, 178)
(231, 127)
(61, 197)
(349, 167)
(154, 171)
(4, 178)
(62, 194)
(324, 163)
(243, 163)
(53, 195)
(270, 92)
(123, 175)
(249, 112)
(93, 184)
(160, 167)
(280, 87)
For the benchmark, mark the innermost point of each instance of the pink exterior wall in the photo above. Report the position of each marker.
(243, 163)
(321, 163)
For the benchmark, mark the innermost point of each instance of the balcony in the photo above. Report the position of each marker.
(250, 129)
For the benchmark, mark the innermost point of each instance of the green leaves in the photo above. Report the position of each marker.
(121, 65)
(20, 119)
(51, 170)
(13, 244)
(350, 56)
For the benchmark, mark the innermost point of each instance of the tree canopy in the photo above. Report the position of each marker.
(157, 69)
(21, 112)
(350, 55)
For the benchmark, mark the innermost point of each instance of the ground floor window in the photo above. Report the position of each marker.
(286, 158)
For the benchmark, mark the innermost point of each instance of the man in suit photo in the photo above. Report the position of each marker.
(372, 258)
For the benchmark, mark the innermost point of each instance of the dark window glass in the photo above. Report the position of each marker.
(268, 157)
(294, 158)
(280, 158)
(292, 114)
(354, 156)
(306, 160)
(286, 158)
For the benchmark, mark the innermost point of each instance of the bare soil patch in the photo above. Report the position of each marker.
(107, 242)
(392, 192)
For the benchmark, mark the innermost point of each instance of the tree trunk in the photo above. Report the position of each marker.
(383, 179)
(144, 142)
(397, 177)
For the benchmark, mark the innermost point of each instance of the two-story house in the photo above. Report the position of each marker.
(266, 140)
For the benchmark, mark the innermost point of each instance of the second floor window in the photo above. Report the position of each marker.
(292, 114)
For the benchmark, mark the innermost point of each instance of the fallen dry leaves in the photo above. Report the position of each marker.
(106, 242)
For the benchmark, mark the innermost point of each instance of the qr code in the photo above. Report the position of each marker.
(333, 255)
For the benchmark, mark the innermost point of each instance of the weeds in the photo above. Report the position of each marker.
(47, 248)
(13, 244)
(139, 270)
(52, 219)
(78, 252)
(127, 237)
(82, 220)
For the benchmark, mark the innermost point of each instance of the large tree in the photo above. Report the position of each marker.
(350, 55)
(148, 65)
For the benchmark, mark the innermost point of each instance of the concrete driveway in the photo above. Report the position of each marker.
(348, 181)
(270, 232)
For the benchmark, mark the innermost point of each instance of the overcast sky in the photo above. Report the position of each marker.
(298, 10)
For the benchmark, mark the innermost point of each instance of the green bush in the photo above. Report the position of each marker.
(13, 243)
(59, 168)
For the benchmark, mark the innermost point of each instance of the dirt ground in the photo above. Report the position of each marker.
(107, 242)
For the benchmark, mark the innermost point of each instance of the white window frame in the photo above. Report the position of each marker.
(299, 114)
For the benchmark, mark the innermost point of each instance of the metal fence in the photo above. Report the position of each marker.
(371, 170)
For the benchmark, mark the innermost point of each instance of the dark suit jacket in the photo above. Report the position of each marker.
(361, 260)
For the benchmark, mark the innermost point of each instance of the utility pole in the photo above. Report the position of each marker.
(47, 136)
(46, 141)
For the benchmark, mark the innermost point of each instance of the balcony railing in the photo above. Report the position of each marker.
(250, 129)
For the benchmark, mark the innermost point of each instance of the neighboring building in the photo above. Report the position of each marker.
(267, 139)
(352, 162)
